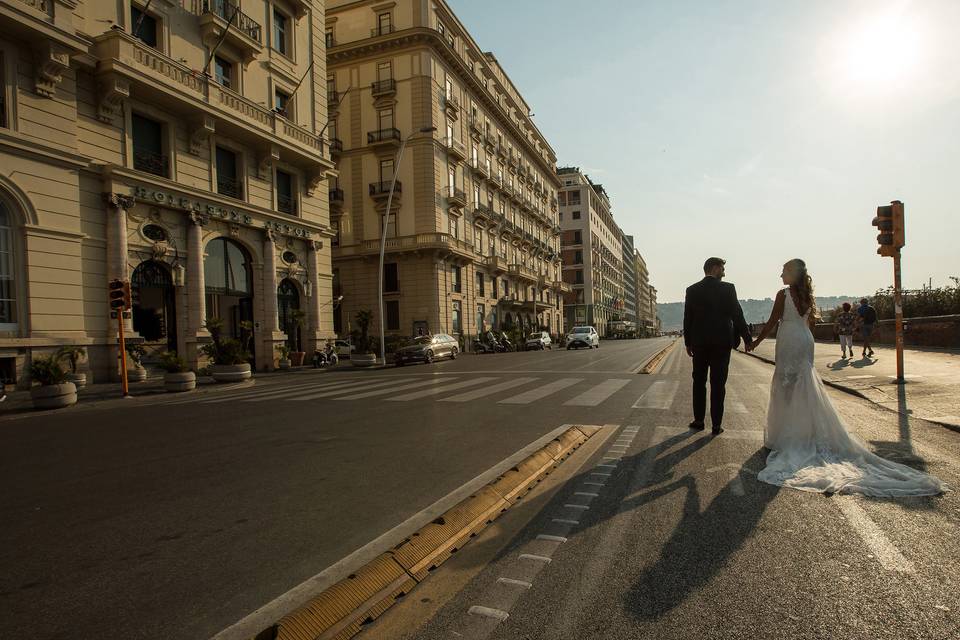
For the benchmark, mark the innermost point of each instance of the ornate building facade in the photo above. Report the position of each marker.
(472, 235)
(177, 144)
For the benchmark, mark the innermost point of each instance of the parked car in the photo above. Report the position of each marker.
(539, 340)
(343, 348)
(583, 337)
(426, 349)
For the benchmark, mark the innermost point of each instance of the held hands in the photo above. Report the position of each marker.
(689, 352)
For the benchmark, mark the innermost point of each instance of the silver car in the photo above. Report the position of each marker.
(426, 349)
(583, 337)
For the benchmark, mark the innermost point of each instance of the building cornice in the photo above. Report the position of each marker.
(425, 36)
(13, 142)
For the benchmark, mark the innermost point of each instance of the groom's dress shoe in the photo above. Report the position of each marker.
(696, 426)
(716, 431)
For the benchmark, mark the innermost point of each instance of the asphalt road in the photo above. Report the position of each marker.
(667, 534)
(174, 517)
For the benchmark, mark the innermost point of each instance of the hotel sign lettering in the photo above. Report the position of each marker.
(161, 198)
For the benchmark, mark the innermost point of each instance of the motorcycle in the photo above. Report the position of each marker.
(479, 346)
(326, 357)
(505, 343)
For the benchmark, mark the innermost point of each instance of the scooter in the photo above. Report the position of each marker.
(505, 343)
(326, 357)
(479, 346)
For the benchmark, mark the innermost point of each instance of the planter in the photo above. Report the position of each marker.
(54, 396)
(296, 357)
(136, 374)
(79, 380)
(230, 372)
(283, 364)
(363, 359)
(181, 381)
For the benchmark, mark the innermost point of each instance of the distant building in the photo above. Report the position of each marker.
(592, 246)
(629, 284)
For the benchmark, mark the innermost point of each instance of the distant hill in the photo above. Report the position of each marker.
(755, 311)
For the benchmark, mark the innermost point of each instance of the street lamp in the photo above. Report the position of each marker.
(383, 235)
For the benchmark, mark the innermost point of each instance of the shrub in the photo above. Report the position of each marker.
(47, 371)
(364, 318)
(72, 354)
(226, 351)
(136, 352)
(284, 351)
(172, 363)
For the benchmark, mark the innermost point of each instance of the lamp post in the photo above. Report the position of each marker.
(383, 235)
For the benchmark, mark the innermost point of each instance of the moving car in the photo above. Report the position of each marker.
(583, 337)
(426, 349)
(539, 340)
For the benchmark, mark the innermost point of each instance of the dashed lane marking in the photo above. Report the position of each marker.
(660, 395)
(488, 612)
(886, 553)
(599, 393)
(517, 583)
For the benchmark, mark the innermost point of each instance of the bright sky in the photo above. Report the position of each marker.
(754, 130)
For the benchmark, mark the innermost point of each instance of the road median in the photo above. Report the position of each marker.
(342, 610)
(651, 365)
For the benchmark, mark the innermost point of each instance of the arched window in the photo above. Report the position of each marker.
(8, 289)
(226, 269)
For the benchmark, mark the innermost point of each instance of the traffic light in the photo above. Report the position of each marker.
(119, 295)
(884, 223)
(899, 235)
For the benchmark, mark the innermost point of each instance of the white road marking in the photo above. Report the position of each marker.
(599, 393)
(518, 583)
(564, 521)
(535, 558)
(416, 395)
(595, 484)
(660, 395)
(888, 555)
(586, 493)
(354, 387)
(577, 506)
(542, 392)
(487, 612)
(403, 387)
(600, 473)
(487, 391)
(559, 539)
(858, 377)
(257, 394)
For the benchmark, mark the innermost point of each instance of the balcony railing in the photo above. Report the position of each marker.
(231, 14)
(383, 87)
(381, 31)
(333, 97)
(336, 145)
(456, 196)
(382, 189)
(286, 204)
(443, 241)
(151, 162)
(381, 136)
(229, 187)
(336, 196)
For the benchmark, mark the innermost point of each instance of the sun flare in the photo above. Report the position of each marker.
(880, 51)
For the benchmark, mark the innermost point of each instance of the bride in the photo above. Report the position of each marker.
(810, 447)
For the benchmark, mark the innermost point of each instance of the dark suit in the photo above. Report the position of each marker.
(712, 326)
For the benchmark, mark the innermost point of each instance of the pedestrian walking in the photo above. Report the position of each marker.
(868, 319)
(846, 322)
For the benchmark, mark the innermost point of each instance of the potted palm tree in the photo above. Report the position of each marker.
(178, 376)
(73, 354)
(299, 319)
(364, 355)
(230, 357)
(284, 361)
(136, 371)
(55, 391)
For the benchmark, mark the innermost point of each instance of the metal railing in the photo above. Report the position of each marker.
(455, 193)
(336, 145)
(383, 135)
(230, 187)
(381, 31)
(381, 87)
(336, 195)
(151, 162)
(286, 204)
(382, 188)
(230, 13)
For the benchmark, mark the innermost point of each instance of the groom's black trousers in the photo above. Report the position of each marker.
(713, 362)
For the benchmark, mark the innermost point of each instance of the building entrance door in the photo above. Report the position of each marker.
(155, 312)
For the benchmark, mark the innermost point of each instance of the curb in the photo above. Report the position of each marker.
(342, 610)
(654, 362)
(854, 392)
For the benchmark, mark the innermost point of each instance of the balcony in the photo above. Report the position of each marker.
(490, 138)
(496, 264)
(502, 150)
(561, 286)
(381, 190)
(523, 272)
(556, 229)
(382, 88)
(230, 187)
(455, 149)
(385, 30)
(223, 19)
(287, 204)
(476, 127)
(127, 67)
(456, 197)
(479, 168)
(384, 138)
(497, 180)
(442, 242)
(333, 99)
(336, 198)
(484, 213)
(151, 162)
(451, 107)
(336, 147)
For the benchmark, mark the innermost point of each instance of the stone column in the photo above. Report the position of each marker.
(315, 306)
(196, 286)
(271, 334)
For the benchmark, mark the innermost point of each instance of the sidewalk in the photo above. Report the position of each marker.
(932, 390)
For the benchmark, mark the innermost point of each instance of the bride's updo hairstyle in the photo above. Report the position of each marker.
(803, 285)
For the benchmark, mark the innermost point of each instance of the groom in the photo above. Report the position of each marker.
(712, 326)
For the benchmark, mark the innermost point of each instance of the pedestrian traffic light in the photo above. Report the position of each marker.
(899, 235)
(119, 295)
(884, 223)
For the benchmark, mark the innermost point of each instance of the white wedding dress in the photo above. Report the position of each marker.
(811, 449)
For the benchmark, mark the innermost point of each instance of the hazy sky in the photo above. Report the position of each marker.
(753, 130)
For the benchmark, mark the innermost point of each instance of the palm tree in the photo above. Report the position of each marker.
(364, 317)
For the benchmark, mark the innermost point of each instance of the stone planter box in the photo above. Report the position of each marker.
(181, 381)
(79, 380)
(136, 374)
(363, 359)
(54, 396)
(296, 358)
(230, 372)
(283, 364)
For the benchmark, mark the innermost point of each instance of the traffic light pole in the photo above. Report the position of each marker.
(124, 386)
(898, 308)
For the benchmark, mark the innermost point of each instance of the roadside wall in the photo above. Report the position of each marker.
(935, 331)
